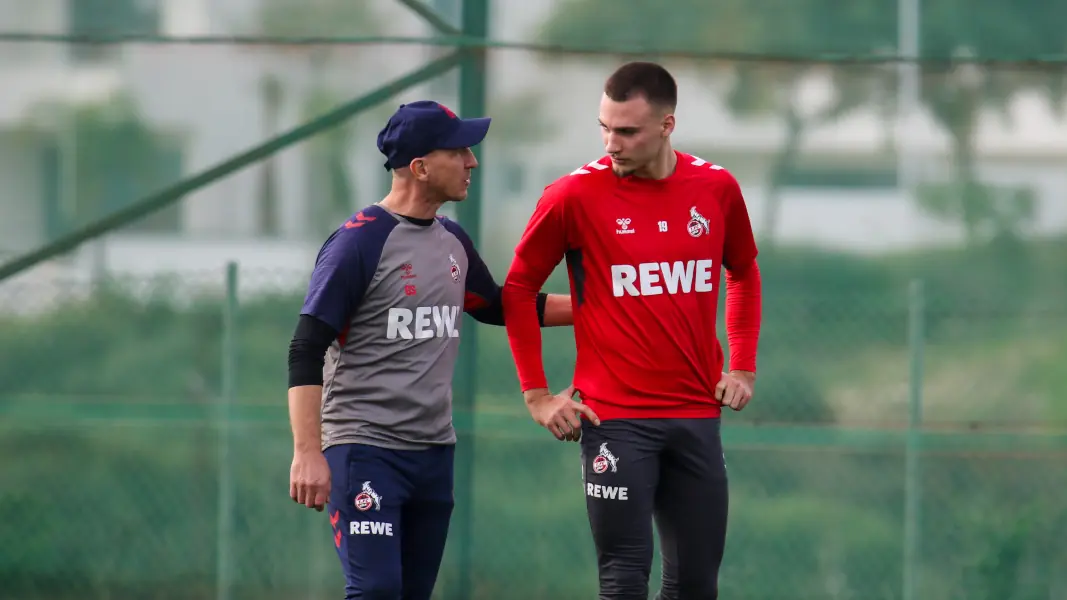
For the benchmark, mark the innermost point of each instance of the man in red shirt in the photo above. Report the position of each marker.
(646, 231)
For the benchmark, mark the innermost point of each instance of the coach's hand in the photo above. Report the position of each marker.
(309, 479)
(559, 413)
(735, 389)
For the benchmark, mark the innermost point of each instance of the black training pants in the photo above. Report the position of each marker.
(672, 470)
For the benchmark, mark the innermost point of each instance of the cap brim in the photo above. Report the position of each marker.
(470, 133)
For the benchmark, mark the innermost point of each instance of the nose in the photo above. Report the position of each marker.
(471, 161)
(611, 143)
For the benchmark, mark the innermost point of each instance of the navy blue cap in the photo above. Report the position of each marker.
(418, 128)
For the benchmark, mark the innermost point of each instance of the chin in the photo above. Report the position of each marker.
(623, 169)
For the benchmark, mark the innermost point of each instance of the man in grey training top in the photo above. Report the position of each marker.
(372, 431)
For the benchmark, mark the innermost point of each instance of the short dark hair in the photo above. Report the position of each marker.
(645, 79)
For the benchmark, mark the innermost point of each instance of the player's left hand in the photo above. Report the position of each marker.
(559, 413)
(735, 389)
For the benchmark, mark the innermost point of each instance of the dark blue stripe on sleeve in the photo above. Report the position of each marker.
(484, 300)
(345, 266)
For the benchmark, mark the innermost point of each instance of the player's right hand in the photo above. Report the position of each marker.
(309, 479)
(735, 389)
(559, 413)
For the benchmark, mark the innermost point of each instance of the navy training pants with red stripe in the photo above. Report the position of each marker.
(670, 470)
(390, 511)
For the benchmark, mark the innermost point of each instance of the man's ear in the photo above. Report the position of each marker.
(418, 169)
(668, 125)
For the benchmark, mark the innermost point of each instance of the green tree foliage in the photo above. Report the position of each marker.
(957, 95)
(771, 27)
(100, 157)
(318, 18)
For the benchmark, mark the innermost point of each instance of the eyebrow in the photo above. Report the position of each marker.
(624, 128)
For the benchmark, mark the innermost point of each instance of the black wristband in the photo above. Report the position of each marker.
(542, 300)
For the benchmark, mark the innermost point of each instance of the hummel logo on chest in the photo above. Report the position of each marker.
(624, 226)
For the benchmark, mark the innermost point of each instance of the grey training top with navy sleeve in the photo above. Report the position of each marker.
(394, 290)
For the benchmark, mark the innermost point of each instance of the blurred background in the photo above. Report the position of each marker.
(170, 168)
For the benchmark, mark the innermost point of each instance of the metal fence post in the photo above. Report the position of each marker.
(913, 444)
(224, 539)
(472, 101)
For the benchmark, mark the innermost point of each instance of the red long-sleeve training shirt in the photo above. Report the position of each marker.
(644, 259)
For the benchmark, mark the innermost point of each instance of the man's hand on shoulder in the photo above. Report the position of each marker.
(559, 413)
(735, 389)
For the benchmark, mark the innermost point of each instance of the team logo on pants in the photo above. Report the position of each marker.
(604, 460)
(368, 498)
(697, 225)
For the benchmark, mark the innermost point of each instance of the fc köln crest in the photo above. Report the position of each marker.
(698, 225)
(454, 268)
(605, 460)
(368, 498)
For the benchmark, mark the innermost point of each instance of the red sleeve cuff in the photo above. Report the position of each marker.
(743, 315)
